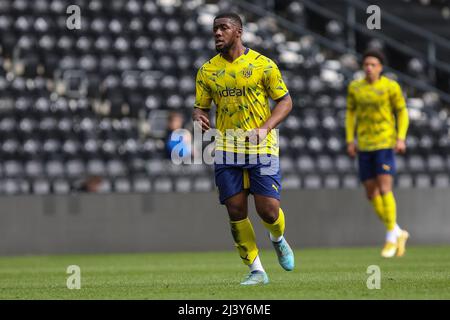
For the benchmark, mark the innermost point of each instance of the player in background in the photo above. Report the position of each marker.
(240, 81)
(376, 109)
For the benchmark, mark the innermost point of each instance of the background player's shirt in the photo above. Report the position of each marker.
(375, 106)
(240, 91)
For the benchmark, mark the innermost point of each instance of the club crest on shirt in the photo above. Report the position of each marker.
(246, 72)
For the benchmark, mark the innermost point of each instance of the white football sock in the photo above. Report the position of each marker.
(397, 230)
(256, 265)
(391, 236)
(276, 239)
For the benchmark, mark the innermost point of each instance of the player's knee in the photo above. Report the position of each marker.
(236, 212)
(370, 194)
(385, 190)
(269, 213)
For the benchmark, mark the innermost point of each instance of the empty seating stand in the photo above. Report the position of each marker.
(93, 102)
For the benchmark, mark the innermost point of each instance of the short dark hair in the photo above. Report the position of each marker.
(374, 53)
(230, 15)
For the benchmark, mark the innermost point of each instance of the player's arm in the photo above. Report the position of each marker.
(350, 124)
(402, 128)
(277, 90)
(201, 116)
(202, 101)
(401, 111)
(281, 110)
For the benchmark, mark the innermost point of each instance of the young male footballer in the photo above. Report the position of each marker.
(241, 81)
(376, 110)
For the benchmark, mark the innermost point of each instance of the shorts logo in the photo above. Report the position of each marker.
(275, 187)
(386, 167)
(247, 73)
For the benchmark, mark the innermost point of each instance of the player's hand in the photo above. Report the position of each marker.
(400, 146)
(202, 118)
(256, 136)
(351, 149)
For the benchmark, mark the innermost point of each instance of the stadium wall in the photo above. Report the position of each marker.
(93, 223)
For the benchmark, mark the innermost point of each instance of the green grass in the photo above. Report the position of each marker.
(424, 273)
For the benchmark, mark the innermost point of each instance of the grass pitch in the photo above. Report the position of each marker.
(424, 273)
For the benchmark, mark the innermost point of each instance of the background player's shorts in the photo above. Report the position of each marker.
(236, 172)
(373, 163)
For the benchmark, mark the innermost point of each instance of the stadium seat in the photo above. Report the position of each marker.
(203, 184)
(404, 181)
(350, 181)
(61, 186)
(312, 181)
(41, 186)
(183, 184)
(162, 185)
(122, 185)
(287, 165)
(441, 180)
(291, 182)
(305, 164)
(331, 181)
(141, 185)
(423, 181)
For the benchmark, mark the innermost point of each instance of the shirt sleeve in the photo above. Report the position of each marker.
(350, 115)
(396, 97)
(399, 106)
(273, 81)
(351, 103)
(202, 92)
(402, 123)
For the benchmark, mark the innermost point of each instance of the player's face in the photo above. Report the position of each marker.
(372, 67)
(226, 33)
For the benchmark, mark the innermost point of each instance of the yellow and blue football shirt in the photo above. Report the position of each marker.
(374, 106)
(240, 90)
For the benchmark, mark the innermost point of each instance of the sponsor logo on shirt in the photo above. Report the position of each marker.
(232, 92)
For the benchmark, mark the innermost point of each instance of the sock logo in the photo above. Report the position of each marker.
(244, 258)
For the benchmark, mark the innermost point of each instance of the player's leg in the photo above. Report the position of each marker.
(244, 238)
(374, 196)
(367, 175)
(234, 195)
(385, 168)
(272, 216)
(394, 234)
(384, 183)
(265, 185)
(241, 227)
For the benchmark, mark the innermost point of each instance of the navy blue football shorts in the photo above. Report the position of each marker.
(260, 174)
